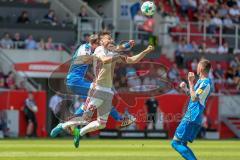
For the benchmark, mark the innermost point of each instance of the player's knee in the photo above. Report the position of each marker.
(102, 125)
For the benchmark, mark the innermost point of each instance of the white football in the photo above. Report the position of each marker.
(148, 8)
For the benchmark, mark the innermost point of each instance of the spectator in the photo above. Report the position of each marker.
(172, 20)
(22, 85)
(10, 81)
(194, 64)
(216, 22)
(83, 14)
(99, 10)
(179, 54)
(190, 47)
(152, 106)
(234, 13)
(227, 22)
(173, 74)
(184, 4)
(18, 41)
(139, 19)
(30, 110)
(6, 42)
(195, 46)
(202, 48)
(67, 20)
(54, 105)
(234, 63)
(49, 44)
(41, 44)
(219, 73)
(223, 49)
(23, 18)
(237, 77)
(230, 75)
(30, 43)
(192, 4)
(51, 17)
(223, 10)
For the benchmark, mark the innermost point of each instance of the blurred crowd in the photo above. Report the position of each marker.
(17, 41)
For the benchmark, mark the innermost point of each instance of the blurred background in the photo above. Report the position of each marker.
(37, 36)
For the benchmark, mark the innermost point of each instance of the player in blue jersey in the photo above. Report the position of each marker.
(77, 83)
(190, 124)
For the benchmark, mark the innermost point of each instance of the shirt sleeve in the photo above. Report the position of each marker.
(29, 103)
(202, 89)
(84, 50)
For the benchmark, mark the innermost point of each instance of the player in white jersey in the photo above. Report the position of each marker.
(102, 93)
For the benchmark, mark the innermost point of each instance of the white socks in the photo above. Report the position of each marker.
(93, 126)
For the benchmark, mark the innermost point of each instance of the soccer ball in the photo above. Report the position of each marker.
(148, 8)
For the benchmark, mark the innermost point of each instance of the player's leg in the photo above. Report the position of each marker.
(186, 131)
(91, 104)
(99, 124)
(79, 88)
(183, 149)
(103, 106)
(115, 114)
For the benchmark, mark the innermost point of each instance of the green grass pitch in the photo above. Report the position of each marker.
(62, 149)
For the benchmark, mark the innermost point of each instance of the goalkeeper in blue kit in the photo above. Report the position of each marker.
(190, 124)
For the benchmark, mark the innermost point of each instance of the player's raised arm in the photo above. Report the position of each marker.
(183, 86)
(191, 78)
(138, 57)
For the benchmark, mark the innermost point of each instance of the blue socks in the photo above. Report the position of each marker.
(183, 149)
(114, 113)
(79, 112)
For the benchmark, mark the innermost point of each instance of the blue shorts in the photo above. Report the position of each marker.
(187, 131)
(80, 88)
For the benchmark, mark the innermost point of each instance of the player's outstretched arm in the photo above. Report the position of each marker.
(125, 46)
(191, 78)
(138, 57)
(109, 59)
(183, 86)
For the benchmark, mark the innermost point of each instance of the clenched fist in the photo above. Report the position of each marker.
(149, 49)
(191, 77)
(183, 85)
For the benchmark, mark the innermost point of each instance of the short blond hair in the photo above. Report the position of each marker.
(206, 64)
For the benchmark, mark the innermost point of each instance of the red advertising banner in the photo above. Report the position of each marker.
(42, 66)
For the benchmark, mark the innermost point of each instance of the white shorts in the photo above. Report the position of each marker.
(100, 98)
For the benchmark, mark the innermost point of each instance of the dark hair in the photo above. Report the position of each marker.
(206, 64)
(94, 39)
